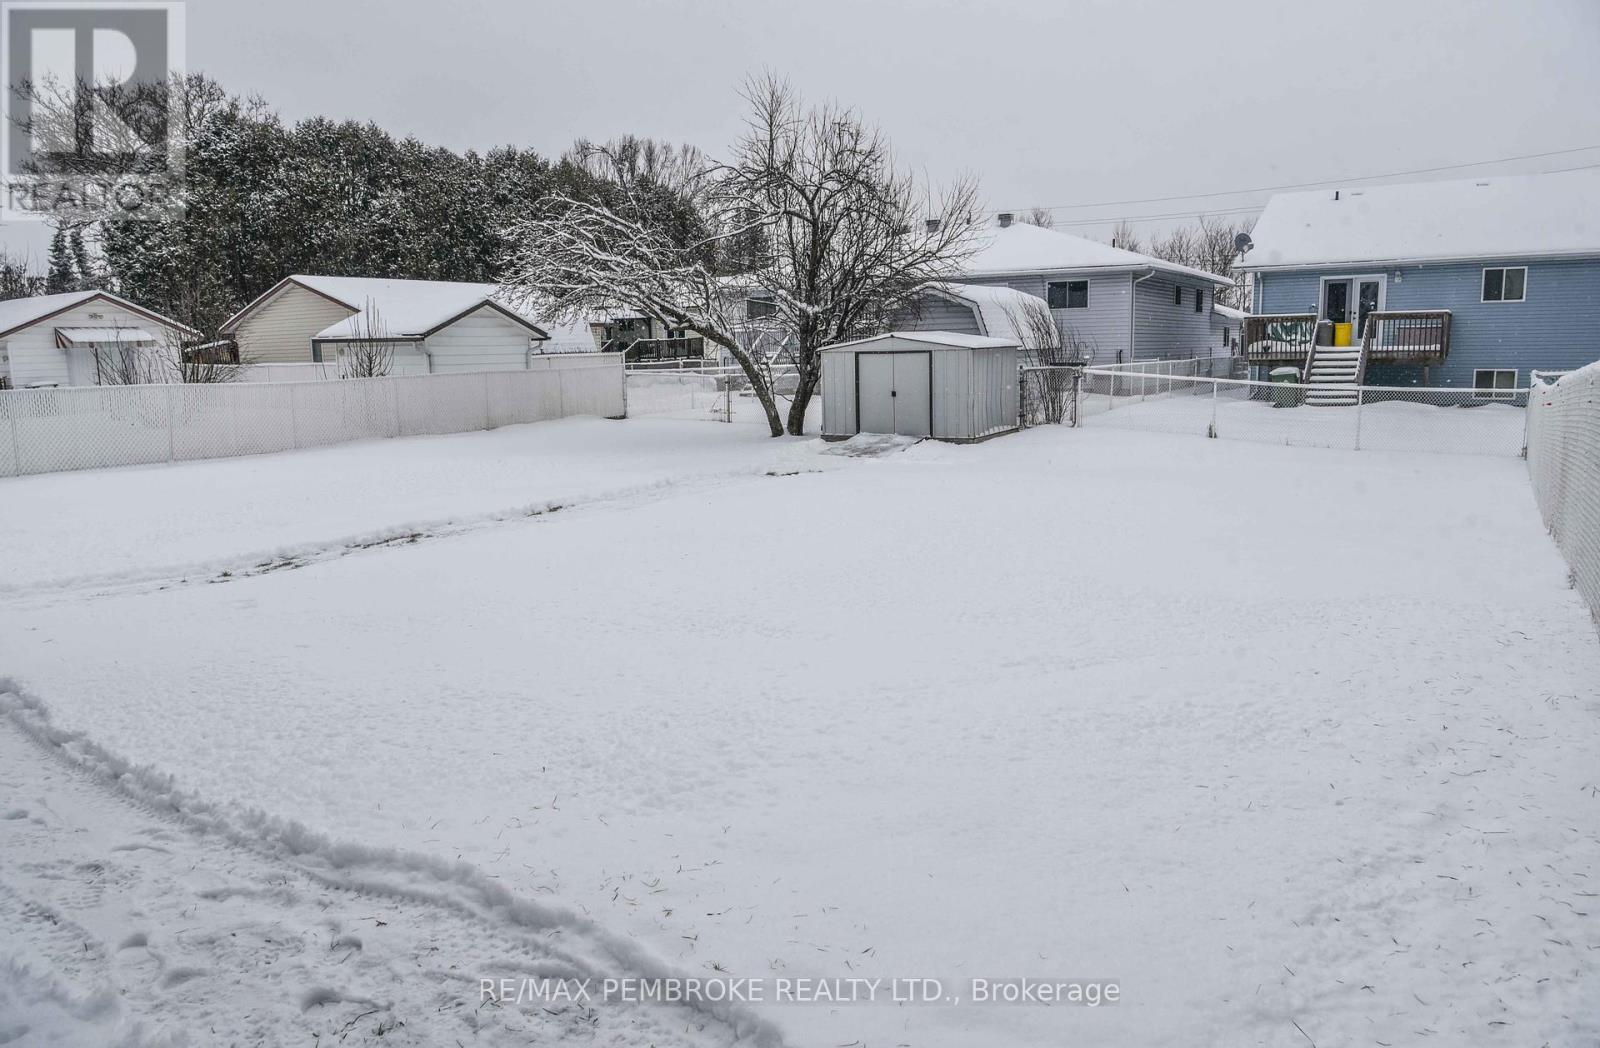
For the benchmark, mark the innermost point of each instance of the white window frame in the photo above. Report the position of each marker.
(1087, 287)
(1354, 280)
(1495, 391)
(1483, 279)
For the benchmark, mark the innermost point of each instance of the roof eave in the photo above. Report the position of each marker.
(1417, 260)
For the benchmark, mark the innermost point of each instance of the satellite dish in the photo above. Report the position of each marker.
(1243, 243)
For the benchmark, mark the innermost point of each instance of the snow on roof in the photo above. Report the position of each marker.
(20, 312)
(569, 338)
(1229, 312)
(1024, 248)
(999, 308)
(934, 338)
(1502, 216)
(401, 308)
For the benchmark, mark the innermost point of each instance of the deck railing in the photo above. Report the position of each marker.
(1407, 335)
(1271, 338)
(662, 349)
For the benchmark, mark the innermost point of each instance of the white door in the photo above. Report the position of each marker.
(1350, 300)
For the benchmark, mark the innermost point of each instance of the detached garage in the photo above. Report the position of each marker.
(920, 384)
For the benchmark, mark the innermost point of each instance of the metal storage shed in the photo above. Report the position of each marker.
(936, 384)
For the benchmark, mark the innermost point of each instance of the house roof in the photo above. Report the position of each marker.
(18, 313)
(998, 308)
(933, 338)
(1503, 216)
(401, 308)
(1024, 248)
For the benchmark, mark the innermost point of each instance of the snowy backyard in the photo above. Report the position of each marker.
(1291, 744)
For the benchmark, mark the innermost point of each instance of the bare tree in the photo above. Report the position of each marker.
(839, 242)
(843, 244)
(1042, 217)
(1208, 245)
(126, 358)
(1047, 393)
(1123, 235)
(368, 351)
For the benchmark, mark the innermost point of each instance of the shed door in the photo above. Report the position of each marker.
(892, 393)
(912, 383)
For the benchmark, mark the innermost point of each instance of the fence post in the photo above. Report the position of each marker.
(1213, 407)
(294, 415)
(16, 439)
(394, 400)
(1361, 396)
(172, 437)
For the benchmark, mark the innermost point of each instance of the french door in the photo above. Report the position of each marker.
(1350, 300)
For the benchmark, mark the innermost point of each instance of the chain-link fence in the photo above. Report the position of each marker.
(1164, 400)
(83, 427)
(1564, 464)
(703, 390)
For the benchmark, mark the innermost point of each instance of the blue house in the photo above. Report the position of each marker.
(1470, 283)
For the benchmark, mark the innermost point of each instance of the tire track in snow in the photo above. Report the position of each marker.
(128, 904)
(288, 558)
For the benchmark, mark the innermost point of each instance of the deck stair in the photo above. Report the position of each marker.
(1333, 375)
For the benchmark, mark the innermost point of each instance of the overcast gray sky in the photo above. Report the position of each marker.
(1052, 102)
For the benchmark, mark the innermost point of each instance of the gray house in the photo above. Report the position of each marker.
(1111, 305)
(1469, 283)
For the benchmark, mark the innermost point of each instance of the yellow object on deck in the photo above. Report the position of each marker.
(1341, 334)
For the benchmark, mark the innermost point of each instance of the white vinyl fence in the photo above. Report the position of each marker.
(83, 427)
(1379, 418)
(1564, 464)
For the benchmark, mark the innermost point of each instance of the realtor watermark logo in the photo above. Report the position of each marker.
(94, 110)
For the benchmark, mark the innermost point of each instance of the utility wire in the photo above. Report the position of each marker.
(1107, 219)
(1324, 182)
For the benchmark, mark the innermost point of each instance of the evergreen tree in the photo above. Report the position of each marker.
(61, 277)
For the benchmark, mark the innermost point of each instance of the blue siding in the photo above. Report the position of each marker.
(1557, 328)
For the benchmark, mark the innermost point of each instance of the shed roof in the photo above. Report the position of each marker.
(949, 339)
(1503, 216)
(1024, 248)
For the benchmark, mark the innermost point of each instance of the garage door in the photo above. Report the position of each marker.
(892, 391)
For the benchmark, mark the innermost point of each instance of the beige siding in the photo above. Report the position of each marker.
(35, 358)
(481, 341)
(280, 331)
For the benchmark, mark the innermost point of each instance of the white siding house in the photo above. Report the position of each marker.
(82, 338)
(1110, 304)
(427, 326)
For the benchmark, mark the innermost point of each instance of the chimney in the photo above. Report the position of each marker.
(933, 225)
(1005, 219)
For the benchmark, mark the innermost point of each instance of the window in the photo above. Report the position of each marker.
(1199, 300)
(1505, 284)
(1071, 294)
(1487, 381)
(755, 308)
(1177, 296)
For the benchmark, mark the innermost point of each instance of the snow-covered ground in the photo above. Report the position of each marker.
(1452, 423)
(1293, 745)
